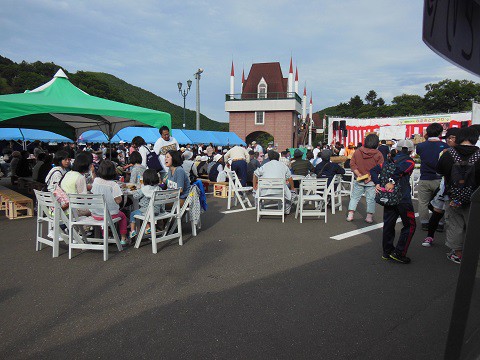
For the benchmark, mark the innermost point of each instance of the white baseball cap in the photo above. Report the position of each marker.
(405, 144)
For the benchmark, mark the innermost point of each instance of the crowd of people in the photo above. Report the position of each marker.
(448, 168)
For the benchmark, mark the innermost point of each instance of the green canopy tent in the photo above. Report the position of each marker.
(61, 107)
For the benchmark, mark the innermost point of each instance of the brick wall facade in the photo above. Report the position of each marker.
(279, 124)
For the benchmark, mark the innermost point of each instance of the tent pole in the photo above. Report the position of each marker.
(110, 140)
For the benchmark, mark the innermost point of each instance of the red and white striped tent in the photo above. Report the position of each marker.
(348, 130)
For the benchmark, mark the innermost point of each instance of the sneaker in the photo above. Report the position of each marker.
(425, 226)
(369, 218)
(133, 234)
(350, 216)
(386, 256)
(453, 257)
(440, 228)
(399, 258)
(427, 242)
(124, 242)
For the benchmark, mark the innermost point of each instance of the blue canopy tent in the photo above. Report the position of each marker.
(31, 135)
(96, 136)
(228, 138)
(201, 136)
(181, 137)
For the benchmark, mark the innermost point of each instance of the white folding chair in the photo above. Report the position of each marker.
(169, 203)
(335, 193)
(271, 190)
(91, 202)
(314, 191)
(191, 210)
(49, 213)
(240, 192)
(414, 179)
(347, 184)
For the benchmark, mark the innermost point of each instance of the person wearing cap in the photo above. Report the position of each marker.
(188, 164)
(363, 160)
(240, 157)
(326, 169)
(257, 147)
(429, 152)
(300, 166)
(217, 167)
(404, 166)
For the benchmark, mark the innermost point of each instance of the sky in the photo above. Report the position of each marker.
(341, 48)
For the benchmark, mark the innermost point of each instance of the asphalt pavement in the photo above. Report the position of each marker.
(239, 290)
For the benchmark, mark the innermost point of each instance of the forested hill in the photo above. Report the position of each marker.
(16, 78)
(442, 97)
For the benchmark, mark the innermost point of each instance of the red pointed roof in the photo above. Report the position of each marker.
(243, 76)
(305, 91)
(291, 66)
(296, 73)
(232, 73)
(271, 72)
(311, 99)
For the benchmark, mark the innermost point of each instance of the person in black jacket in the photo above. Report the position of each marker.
(327, 169)
(456, 215)
(404, 166)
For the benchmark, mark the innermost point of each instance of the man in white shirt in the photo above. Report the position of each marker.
(257, 147)
(316, 151)
(164, 144)
(275, 169)
(240, 157)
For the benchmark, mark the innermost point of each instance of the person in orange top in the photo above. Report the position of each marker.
(350, 150)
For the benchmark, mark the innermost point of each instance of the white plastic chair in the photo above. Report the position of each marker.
(240, 192)
(414, 180)
(173, 226)
(335, 193)
(347, 185)
(91, 202)
(49, 213)
(314, 191)
(271, 190)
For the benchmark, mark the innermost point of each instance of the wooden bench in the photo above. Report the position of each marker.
(220, 189)
(16, 206)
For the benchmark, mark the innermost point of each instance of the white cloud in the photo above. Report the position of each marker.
(342, 48)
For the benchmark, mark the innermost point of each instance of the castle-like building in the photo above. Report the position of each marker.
(268, 103)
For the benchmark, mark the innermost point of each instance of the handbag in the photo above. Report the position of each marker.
(61, 196)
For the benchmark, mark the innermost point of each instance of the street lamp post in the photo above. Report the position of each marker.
(197, 77)
(184, 94)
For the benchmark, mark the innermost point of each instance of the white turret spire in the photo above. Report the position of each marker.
(296, 80)
(310, 127)
(290, 79)
(304, 103)
(232, 82)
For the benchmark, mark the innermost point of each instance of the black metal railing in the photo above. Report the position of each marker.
(263, 96)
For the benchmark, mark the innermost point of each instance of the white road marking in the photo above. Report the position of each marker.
(236, 210)
(361, 231)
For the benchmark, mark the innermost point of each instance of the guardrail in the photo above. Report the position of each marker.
(263, 96)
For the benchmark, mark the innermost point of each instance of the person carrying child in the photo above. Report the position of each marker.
(144, 195)
(393, 181)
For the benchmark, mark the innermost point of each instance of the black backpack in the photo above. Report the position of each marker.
(462, 178)
(152, 160)
(388, 198)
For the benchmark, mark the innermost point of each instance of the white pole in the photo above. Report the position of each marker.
(311, 123)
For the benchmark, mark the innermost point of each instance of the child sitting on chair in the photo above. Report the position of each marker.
(104, 184)
(137, 168)
(150, 185)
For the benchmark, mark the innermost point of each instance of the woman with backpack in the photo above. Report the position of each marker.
(460, 167)
(393, 179)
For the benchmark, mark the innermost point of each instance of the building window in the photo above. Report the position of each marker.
(262, 89)
(259, 117)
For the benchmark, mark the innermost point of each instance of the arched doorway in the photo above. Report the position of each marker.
(261, 137)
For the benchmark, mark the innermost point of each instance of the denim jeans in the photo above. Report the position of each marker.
(133, 213)
(358, 190)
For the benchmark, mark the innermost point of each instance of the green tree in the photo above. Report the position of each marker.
(371, 97)
(451, 96)
(408, 104)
